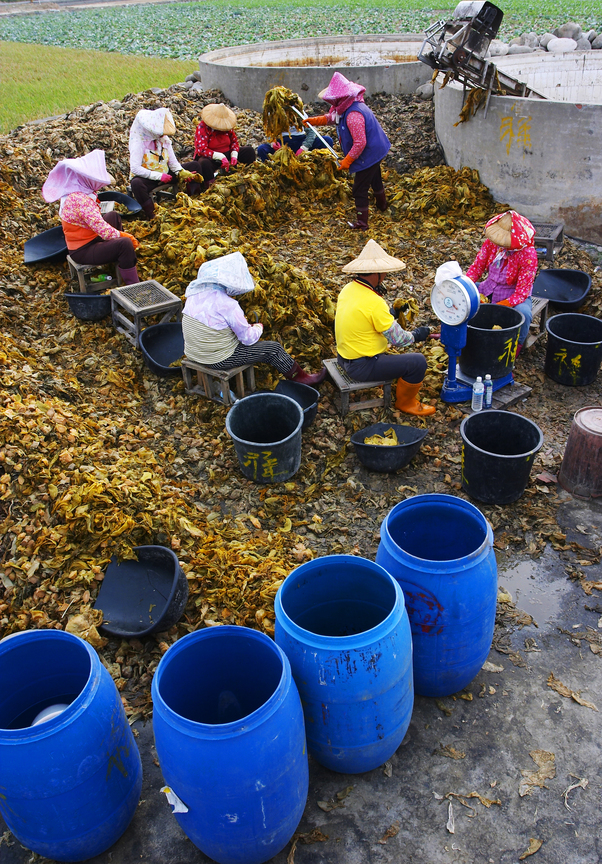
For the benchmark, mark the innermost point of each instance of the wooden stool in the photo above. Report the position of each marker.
(540, 309)
(214, 383)
(346, 386)
(82, 273)
(142, 300)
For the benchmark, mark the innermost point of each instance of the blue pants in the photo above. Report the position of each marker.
(293, 141)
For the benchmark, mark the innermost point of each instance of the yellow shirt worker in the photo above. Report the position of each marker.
(364, 328)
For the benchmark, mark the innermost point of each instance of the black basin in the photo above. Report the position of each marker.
(48, 246)
(566, 289)
(161, 345)
(139, 597)
(386, 459)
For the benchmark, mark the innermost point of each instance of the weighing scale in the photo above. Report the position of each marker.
(455, 301)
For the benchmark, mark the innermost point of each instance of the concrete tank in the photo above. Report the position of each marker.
(382, 63)
(542, 157)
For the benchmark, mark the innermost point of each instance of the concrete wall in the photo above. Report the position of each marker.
(570, 77)
(543, 158)
(242, 76)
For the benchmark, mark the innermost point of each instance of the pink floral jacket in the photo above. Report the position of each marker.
(521, 269)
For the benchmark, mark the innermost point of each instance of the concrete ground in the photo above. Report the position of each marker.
(454, 747)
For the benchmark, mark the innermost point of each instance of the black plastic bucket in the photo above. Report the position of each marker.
(266, 431)
(89, 307)
(574, 350)
(307, 397)
(498, 450)
(488, 351)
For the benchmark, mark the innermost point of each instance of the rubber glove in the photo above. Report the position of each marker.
(185, 175)
(310, 138)
(233, 158)
(135, 243)
(218, 156)
(225, 164)
(347, 161)
(165, 178)
(483, 299)
(421, 333)
(502, 303)
(322, 120)
(275, 145)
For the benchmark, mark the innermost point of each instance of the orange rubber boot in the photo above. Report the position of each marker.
(406, 401)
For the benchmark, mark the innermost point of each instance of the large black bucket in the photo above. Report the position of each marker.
(488, 351)
(266, 431)
(574, 350)
(498, 450)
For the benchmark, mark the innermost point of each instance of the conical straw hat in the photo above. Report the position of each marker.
(500, 231)
(219, 116)
(169, 127)
(373, 259)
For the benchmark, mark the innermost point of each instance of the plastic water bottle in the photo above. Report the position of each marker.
(488, 394)
(477, 394)
(102, 277)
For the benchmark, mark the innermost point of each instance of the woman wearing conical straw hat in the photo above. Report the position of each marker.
(364, 328)
(509, 256)
(215, 143)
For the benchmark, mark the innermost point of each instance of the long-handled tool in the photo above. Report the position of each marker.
(327, 146)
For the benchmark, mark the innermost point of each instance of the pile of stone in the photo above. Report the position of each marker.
(568, 37)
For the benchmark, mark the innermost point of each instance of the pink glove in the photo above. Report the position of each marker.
(165, 178)
(276, 145)
(225, 164)
(233, 159)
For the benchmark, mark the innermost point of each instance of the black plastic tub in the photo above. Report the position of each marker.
(388, 459)
(498, 450)
(140, 597)
(89, 307)
(574, 349)
(161, 345)
(130, 204)
(307, 397)
(49, 246)
(566, 289)
(488, 351)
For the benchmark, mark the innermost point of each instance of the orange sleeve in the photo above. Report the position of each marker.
(322, 120)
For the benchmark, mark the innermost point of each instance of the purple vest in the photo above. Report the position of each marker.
(377, 143)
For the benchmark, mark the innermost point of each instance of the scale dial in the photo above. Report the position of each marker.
(453, 300)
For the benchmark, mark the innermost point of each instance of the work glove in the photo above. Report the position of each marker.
(225, 164)
(233, 159)
(275, 145)
(165, 178)
(135, 243)
(483, 299)
(310, 138)
(420, 334)
(502, 303)
(395, 310)
(219, 157)
(185, 175)
(322, 120)
(345, 164)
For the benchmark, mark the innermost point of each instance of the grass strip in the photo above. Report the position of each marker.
(40, 81)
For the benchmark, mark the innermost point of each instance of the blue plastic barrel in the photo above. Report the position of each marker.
(68, 786)
(342, 623)
(440, 550)
(229, 733)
